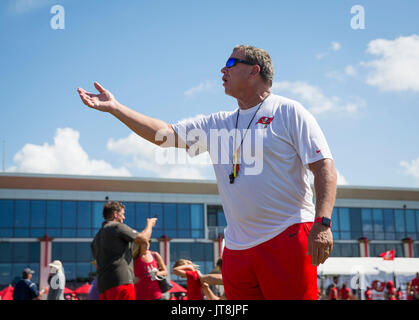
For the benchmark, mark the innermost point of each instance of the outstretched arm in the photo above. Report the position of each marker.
(151, 129)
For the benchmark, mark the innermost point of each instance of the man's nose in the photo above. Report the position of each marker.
(224, 70)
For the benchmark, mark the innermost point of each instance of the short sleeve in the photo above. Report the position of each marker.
(195, 133)
(34, 290)
(127, 233)
(306, 135)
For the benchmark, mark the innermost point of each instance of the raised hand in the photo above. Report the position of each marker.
(104, 101)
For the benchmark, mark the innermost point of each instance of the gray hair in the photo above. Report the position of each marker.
(261, 58)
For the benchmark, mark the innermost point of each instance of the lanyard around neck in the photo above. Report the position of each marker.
(233, 175)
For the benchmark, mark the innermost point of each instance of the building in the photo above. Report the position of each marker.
(49, 217)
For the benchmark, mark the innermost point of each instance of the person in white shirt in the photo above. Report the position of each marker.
(272, 247)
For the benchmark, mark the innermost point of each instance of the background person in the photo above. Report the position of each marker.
(93, 291)
(186, 269)
(56, 281)
(269, 215)
(25, 289)
(414, 284)
(147, 266)
(112, 250)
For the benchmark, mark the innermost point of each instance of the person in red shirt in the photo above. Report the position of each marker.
(344, 292)
(147, 266)
(333, 292)
(186, 269)
(368, 294)
(415, 287)
(391, 291)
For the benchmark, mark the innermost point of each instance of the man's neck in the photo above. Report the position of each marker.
(249, 101)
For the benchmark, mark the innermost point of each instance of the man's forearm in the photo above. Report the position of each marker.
(325, 187)
(145, 126)
(214, 279)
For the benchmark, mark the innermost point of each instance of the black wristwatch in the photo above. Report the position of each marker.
(324, 221)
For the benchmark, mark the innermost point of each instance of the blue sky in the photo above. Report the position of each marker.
(163, 58)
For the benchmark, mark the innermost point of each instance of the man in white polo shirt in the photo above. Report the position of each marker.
(272, 247)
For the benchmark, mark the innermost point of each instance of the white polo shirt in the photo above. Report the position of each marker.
(272, 190)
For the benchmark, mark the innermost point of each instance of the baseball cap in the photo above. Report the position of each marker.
(28, 271)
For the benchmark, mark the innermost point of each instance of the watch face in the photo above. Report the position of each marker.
(327, 222)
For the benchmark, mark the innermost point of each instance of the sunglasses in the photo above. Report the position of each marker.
(231, 62)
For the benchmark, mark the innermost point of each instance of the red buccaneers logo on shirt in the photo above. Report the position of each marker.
(265, 120)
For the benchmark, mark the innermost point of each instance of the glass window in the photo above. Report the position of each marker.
(69, 214)
(142, 212)
(38, 213)
(221, 218)
(84, 252)
(378, 221)
(97, 213)
(56, 251)
(70, 271)
(389, 224)
(344, 219)
(84, 233)
(83, 271)
(170, 217)
(156, 210)
(410, 221)
(21, 232)
(69, 233)
(355, 223)
(184, 220)
(6, 232)
(37, 232)
(399, 219)
(34, 252)
(335, 219)
(130, 214)
(349, 250)
(84, 214)
(417, 221)
(54, 232)
(6, 213)
(5, 274)
(197, 222)
(54, 214)
(22, 213)
(6, 252)
(416, 249)
(366, 220)
(68, 252)
(21, 252)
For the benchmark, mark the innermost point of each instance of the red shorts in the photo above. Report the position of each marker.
(278, 269)
(124, 292)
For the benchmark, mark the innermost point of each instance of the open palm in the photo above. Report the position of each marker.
(104, 101)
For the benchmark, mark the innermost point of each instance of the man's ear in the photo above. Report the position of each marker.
(255, 70)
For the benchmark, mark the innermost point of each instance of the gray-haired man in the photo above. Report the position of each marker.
(272, 246)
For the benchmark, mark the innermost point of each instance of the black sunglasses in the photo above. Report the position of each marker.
(231, 62)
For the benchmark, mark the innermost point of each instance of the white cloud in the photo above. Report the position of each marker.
(397, 65)
(336, 46)
(412, 168)
(24, 6)
(350, 70)
(314, 99)
(203, 86)
(321, 55)
(162, 162)
(65, 156)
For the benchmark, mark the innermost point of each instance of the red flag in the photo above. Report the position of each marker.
(388, 255)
